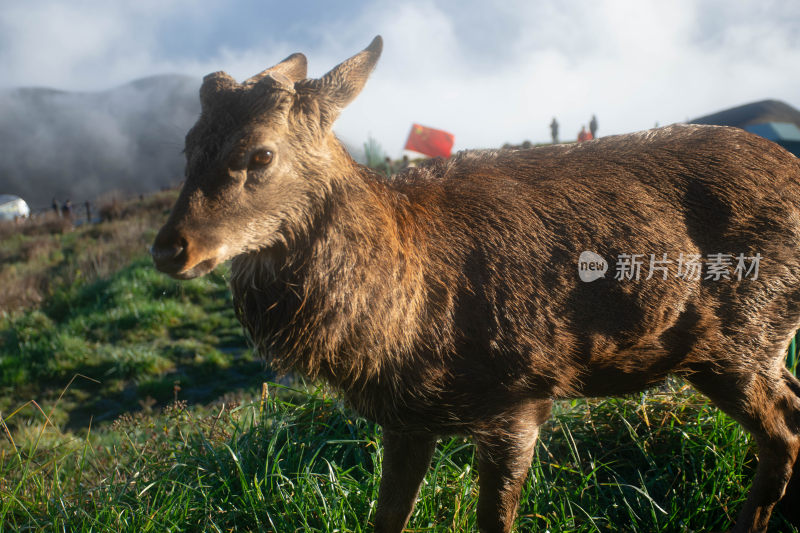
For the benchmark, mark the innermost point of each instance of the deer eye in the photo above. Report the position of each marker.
(260, 159)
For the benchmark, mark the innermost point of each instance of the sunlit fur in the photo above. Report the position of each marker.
(446, 299)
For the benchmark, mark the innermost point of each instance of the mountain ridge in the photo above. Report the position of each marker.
(79, 145)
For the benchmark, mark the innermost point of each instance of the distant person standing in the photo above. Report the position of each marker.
(66, 209)
(554, 130)
(584, 135)
(593, 127)
(55, 207)
(389, 166)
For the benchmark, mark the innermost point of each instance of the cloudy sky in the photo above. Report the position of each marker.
(489, 74)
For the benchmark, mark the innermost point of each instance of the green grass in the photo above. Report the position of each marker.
(130, 402)
(135, 335)
(300, 461)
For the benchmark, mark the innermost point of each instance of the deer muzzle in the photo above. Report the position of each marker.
(180, 257)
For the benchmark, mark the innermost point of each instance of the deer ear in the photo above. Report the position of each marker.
(214, 84)
(294, 68)
(342, 84)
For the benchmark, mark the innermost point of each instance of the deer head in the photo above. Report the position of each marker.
(259, 162)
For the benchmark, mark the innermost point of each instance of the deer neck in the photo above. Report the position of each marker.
(346, 300)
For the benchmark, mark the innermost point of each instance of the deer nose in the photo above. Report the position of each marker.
(169, 255)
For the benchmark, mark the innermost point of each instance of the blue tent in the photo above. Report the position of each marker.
(784, 133)
(772, 119)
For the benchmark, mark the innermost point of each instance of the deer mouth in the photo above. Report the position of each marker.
(200, 269)
(182, 261)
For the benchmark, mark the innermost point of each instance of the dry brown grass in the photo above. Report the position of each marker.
(44, 224)
(21, 290)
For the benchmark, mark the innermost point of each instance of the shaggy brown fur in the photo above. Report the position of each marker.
(447, 299)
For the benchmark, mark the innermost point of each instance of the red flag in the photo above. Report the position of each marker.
(429, 141)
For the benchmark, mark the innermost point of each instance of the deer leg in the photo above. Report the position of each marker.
(790, 503)
(406, 458)
(505, 449)
(767, 407)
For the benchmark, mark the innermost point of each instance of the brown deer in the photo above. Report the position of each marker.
(449, 299)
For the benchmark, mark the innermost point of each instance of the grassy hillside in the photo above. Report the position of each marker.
(131, 402)
(86, 307)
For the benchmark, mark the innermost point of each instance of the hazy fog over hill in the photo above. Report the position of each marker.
(78, 145)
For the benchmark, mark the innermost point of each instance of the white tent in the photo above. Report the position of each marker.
(12, 207)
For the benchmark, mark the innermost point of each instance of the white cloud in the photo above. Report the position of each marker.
(489, 74)
(77, 45)
(631, 64)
